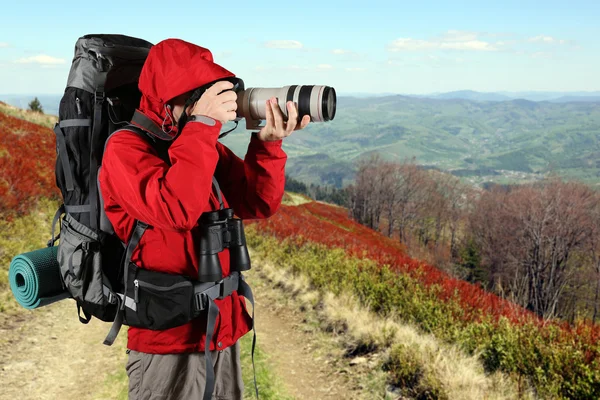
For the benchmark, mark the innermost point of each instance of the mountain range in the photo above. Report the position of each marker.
(485, 137)
(50, 102)
(505, 141)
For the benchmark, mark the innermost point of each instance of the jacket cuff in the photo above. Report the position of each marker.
(203, 119)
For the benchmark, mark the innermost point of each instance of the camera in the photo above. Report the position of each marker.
(317, 101)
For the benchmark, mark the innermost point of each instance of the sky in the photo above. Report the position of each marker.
(372, 46)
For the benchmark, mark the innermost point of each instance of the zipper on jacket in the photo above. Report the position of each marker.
(77, 103)
(137, 283)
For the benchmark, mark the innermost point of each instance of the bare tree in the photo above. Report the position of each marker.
(530, 236)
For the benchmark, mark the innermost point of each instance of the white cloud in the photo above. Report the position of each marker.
(547, 39)
(459, 36)
(478, 45)
(346, 54)
(284, 44)
(454, 40)
(41, 59)
(3, 44)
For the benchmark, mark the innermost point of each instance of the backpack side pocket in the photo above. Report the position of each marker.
(80, 261)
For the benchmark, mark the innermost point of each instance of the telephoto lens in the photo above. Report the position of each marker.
(317, 101)
(211, 244)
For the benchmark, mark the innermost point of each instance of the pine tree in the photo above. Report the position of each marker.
(36, 106)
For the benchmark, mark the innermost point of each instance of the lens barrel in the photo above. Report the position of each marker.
(317, 101)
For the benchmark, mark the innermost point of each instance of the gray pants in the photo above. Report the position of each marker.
(183, 376)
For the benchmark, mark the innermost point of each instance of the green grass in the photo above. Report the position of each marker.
(116, 383)
(270, 386)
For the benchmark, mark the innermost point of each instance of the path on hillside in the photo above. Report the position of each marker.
(48, 354)
(291, 349)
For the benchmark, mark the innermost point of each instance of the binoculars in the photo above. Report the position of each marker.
(220, 230)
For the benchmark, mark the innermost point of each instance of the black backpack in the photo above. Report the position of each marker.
(101, 97)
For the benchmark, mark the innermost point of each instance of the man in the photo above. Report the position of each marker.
(136, 184)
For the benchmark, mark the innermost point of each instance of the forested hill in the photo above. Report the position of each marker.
(502, 141)
(514, 140)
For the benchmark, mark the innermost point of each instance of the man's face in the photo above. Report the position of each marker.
(177, 105)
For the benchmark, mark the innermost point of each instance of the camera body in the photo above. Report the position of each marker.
(220, 230)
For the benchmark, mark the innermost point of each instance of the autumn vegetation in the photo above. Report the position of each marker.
(535, 244)
(339, 255)
(27, 156)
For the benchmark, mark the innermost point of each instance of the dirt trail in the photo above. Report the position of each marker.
(293, 352)
(48, 354)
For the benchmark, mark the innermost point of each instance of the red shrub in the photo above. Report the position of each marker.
(27, 155)
(330, 225)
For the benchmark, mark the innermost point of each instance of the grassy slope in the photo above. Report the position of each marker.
(426, 366)
(557, 359)
(37, 118)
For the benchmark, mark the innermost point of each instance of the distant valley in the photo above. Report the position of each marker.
(480, 140)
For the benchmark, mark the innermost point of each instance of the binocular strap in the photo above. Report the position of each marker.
(218, 189)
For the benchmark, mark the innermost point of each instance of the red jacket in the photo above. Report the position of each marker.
(136, 184)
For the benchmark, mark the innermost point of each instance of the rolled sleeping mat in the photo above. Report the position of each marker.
(35, 278)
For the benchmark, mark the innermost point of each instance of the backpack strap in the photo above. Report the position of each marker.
(136, 236)
(161, 146)
(148, 125)
(99, 97)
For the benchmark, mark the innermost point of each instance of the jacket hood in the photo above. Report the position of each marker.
(174, 67)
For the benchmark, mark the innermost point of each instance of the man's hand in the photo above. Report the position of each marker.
(219, 106)
(276, 128)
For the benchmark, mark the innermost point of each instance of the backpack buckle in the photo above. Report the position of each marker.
(112, 299)
(87, 246)
(228, 285)
(100, 95)
(200, 301)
